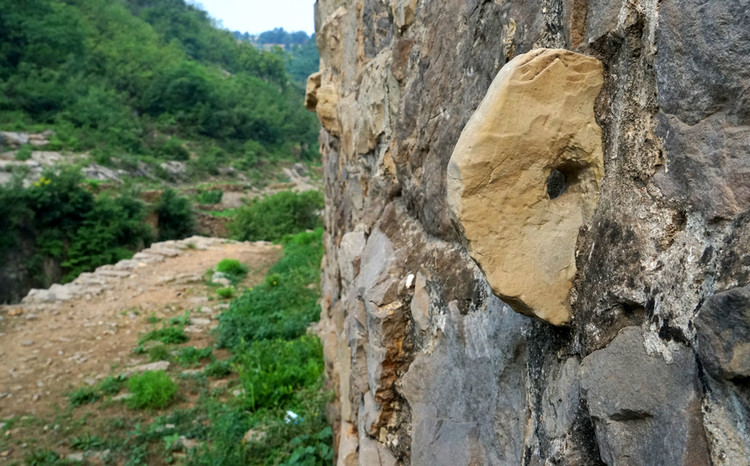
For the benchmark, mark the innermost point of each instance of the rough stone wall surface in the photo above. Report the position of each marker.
(428, 365)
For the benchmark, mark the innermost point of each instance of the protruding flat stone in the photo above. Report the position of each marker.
(525, 175)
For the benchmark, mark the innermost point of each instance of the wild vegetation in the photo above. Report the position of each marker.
(254, 396)
(60, 218)
(137, 80)
(273, 217)
(303, 51)
(134, 84)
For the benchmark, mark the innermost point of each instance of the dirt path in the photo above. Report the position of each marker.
(68, 336)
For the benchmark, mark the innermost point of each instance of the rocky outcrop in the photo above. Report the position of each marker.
(524, 177)
(641, 403)
(611, 200)
(15, 140)
(723, 328)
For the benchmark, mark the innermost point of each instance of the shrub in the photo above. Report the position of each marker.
(213, 196)
(225, 293)
(152, 390)
(62, 220)
(173, 149)
(109, 233)
(176, 219)
(232, 267)
(275, 216)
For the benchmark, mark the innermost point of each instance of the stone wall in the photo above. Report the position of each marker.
(646, 357)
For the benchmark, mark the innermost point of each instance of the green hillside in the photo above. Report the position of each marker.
(146, 79)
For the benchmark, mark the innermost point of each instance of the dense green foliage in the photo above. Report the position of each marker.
(126, 78)
(176, 220)
(304, 60)
(152, 389)
(284, 305)
(59, 218)
(278, 36)
(273, 217)
(107, 234)
(303, 56)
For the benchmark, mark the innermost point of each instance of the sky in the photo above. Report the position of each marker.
(256, 16)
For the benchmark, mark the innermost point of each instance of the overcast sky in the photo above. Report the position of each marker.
(255, 16)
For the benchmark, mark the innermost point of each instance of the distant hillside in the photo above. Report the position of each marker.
(141, 79)
(303, 57)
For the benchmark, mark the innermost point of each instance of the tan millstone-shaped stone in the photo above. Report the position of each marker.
(525, 175)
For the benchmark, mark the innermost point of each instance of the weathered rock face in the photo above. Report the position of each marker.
(639, 244)
(641, 403)
(520, 187)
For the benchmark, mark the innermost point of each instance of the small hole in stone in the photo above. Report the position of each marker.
(556, 184)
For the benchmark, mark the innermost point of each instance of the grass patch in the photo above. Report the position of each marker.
(24, 153)
(151, 390)
(87, 442)
(218, 369)
(45, 458)
(83, 395)
(227, 213)
(285, 304)
(191, 356)
(166, 335)
(159, 353)
(181, 320)
(271, 371)
(111, 385)
(212, 196)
